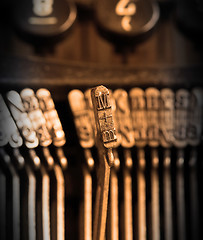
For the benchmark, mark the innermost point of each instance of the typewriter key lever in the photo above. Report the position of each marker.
(24, 124)
(152, 100)
(57, 134)
(36, 116)
(167, 110)
(139, 123)
(194, 139)
(127, 141)
(83, 118)
(9, 135)
(54, 126)
(113, 217)
(105, 141)
(180, 141)
(31, 141)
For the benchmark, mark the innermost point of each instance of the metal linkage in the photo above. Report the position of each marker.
(113, 217)
(180, 141)
(167, 114)
(31, 141)
(10, 134)
(106, 140)
(152, 100)
(194, 135)
(127, 141)
(37, 118)
(10, 137)
(11, 221)
(24, 125)
(31, 106)
(152, 118)
(32, 171)
(53, 122)
(55, 129)
(2, 204)
(139, 123)
(83, 122)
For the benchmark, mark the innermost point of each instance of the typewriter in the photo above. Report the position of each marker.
(101, 119)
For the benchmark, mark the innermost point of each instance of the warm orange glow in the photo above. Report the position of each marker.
(50, 160)
(116, 163)
(64, 161)
(37, 160)
(91, 162)
(129, 162)
(59, 134)
(142, 163)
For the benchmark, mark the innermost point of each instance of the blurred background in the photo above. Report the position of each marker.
(62, 45)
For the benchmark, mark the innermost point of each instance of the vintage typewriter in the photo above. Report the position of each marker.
(143, 60)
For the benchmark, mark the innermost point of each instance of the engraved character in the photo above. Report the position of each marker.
(103, 101)
(109, 135)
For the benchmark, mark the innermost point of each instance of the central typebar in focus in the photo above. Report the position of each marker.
(104, 117)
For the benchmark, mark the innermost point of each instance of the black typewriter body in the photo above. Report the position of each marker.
(170, 56)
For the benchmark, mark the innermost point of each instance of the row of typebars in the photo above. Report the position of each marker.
(156, 129)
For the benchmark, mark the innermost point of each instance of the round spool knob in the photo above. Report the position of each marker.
(44, 18)
(126, 19)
